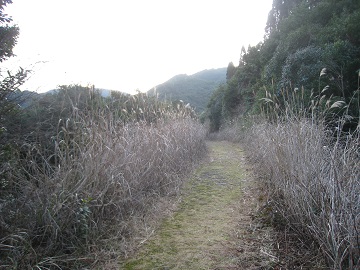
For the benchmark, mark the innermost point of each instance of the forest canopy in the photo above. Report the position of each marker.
(302, 38)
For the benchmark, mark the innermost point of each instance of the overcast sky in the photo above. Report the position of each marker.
(133, 44)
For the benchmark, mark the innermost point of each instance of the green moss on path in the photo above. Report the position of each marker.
(204, 231)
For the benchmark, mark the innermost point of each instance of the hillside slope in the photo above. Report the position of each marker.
(195, 89)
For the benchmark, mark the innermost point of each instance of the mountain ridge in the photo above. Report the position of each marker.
(195, 89)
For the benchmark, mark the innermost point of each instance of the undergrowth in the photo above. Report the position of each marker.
(76, 183)
(306, 152)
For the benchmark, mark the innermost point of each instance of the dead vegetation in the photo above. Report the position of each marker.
(81, 196)
(313, 184)
(307, 160)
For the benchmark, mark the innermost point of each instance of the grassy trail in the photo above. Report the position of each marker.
(212, 227)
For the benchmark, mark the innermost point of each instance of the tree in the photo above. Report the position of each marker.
(214, 108)
(281, 9)
(9, 86)
(231, 69)
(10, 83)
(8, 34)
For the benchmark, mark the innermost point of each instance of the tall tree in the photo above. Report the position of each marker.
(281, 9)
(231, 69)
(304, 37)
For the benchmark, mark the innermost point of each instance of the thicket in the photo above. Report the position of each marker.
(312, 176)
(309, 164)
(80, 173)
(294, 100)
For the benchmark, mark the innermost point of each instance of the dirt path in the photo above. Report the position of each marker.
(212, 227)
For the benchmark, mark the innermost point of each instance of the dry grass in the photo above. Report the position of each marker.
(235, 130)
(212, 227)
(314, 184)
(95, 190)
(306, 152)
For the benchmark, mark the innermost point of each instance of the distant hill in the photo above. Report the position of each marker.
(22, 98)
(104, 92)
(195, 89)
(26, 98)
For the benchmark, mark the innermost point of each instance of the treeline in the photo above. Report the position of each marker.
(294, 102)
(310, 47)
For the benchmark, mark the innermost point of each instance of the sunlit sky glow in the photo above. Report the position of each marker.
(133, 44)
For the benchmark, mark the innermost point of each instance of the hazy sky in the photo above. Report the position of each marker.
(133, 44)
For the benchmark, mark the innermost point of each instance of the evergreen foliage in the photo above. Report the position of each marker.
(8, 34)
(302, 37)
(301, 87)
(194, 89)
(9, 82)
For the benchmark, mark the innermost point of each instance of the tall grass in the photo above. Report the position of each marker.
(311, 168)
(314, 184)
(102, 174)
